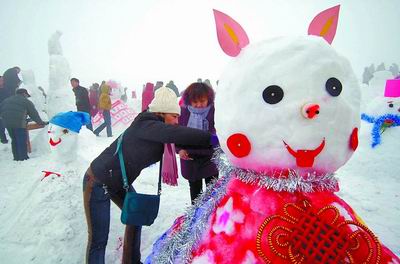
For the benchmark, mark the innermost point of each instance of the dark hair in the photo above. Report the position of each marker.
(75, 79)
(198, 90)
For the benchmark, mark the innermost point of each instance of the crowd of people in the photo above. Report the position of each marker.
(164, 124)
(16, 110)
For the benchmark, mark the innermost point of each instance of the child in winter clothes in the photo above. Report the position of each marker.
(198, 112)
(105, 106)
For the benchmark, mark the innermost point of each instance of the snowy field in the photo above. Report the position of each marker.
(43, 221)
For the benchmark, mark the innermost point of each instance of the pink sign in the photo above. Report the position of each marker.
(392, 88)
(121, 113)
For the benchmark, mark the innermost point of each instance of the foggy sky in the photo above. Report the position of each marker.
(138, 41)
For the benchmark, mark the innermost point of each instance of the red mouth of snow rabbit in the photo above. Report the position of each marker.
(305, 157)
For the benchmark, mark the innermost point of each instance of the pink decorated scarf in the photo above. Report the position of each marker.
(169, 169)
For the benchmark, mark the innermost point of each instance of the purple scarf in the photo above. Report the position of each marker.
(198, 117)
(169, 169)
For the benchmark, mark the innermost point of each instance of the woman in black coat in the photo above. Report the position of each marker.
(142, 145)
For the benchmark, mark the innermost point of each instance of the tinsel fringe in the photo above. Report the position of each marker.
(378, 122)
(291, 183)
(177, 247)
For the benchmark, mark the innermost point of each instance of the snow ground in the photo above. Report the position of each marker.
(43, 221)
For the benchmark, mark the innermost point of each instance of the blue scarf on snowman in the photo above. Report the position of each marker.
(380, 124)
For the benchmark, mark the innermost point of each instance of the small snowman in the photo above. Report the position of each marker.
(281, 144)
(384, 112)
(63, 133)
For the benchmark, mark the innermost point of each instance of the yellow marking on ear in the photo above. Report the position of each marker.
(326, 27)
(232, 34)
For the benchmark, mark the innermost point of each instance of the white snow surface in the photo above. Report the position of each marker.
(44, 221)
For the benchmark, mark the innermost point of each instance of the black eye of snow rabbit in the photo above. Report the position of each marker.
(65, 131)
(273, 94)
(333, 86)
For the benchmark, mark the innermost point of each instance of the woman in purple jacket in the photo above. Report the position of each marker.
(198, 112)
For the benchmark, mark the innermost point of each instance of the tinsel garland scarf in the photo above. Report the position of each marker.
(380, 124)
(177, 243)
(286, 180)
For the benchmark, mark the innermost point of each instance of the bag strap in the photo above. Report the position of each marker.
(123, 170)
(159, 177)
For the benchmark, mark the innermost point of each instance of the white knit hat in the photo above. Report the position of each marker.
(165, 101)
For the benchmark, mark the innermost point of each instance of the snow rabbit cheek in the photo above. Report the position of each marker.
(293, 101)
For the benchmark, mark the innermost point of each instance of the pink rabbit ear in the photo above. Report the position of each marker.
(325, 24)
(231, 36)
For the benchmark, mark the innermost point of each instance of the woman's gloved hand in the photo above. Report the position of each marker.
(214, 140)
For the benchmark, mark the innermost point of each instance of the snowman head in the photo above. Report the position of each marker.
(393, 105)
(390, 103)
(381, 105)
(64, 128)
(61, 138)
(288, 102)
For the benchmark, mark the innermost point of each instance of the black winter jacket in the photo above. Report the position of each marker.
(3, 94)
(15, 109)
(142, 146)
(11, 81)
(82, 99)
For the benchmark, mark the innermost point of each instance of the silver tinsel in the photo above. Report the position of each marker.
(293, 182)
(177, 247)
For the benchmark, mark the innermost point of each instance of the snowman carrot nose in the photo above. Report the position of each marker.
(310, 111)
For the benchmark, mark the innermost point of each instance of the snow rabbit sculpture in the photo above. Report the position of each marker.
(287, 116)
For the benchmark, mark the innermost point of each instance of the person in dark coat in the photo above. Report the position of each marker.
(3, 95)
(198, 112)
(14, 111)
(171, 85)
(11, 80)
(81, 99)
(142, 145)
(158, 85)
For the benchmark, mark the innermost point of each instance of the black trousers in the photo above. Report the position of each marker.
(19, 147)
(196, 187)
(3, 136)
